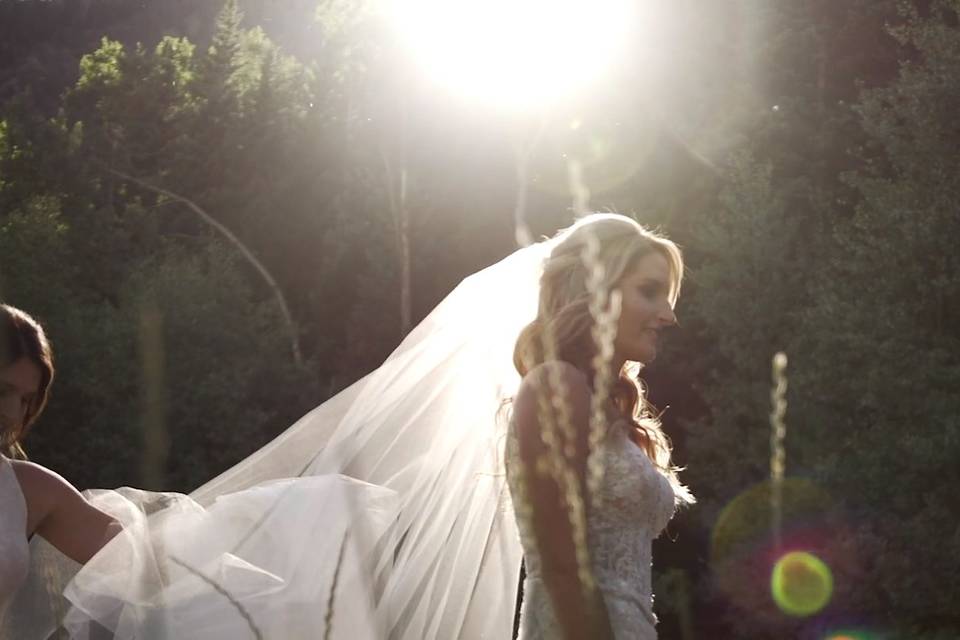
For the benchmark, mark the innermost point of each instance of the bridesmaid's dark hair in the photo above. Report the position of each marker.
(22, 337)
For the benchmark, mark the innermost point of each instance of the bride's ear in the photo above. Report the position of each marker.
(528, 351)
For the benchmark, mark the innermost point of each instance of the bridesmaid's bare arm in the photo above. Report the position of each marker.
(57, 512)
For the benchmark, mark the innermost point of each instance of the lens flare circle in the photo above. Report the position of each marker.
(801, 583)
(745, 521)
(849, 634)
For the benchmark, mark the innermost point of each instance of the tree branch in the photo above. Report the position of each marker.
(242, 248)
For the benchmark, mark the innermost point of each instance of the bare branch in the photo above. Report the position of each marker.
(242, 248)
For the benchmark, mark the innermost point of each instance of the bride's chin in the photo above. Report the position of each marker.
(646, 356)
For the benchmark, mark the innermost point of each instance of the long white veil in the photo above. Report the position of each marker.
(383, 513)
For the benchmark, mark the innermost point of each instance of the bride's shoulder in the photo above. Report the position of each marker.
(550, 374)
(547, 382)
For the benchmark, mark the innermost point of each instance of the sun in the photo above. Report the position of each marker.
(518, 53)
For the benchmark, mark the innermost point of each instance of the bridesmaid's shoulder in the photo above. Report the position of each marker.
(38, 481)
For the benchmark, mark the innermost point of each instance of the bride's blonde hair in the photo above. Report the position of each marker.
(563, 314)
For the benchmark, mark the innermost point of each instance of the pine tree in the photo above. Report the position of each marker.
(890, 362)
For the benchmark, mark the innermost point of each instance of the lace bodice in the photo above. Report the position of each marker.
(14, 554)
(635, 503)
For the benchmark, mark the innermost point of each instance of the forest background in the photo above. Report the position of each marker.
(803, 153)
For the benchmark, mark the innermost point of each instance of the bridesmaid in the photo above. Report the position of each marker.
(33, 499)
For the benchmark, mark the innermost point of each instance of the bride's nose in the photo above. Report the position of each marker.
(667, 317)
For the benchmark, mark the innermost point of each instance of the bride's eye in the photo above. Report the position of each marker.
(649, 291)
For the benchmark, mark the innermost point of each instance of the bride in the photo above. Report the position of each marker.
(392, 510)
(590, 476)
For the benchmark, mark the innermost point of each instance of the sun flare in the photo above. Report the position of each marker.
(519, 53)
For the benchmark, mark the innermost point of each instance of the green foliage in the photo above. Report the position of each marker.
(755, 279)
(847, 262)
(34, 243)
(892, 351)
(93, 257)
(814, 185)
(101, 69)
(229, 380)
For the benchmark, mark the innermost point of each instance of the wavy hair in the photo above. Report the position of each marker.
(22, 337)
(563, 316)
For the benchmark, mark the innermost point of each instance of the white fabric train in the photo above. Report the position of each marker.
(388, 501)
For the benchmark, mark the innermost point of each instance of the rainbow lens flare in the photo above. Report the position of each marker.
(801, 584)
(849, 634)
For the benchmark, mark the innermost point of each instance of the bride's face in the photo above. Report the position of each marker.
(645, 310)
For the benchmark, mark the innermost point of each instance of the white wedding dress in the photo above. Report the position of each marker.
(14, 553)
(634, 504)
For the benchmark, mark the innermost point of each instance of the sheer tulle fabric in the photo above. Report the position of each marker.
(383, 513)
